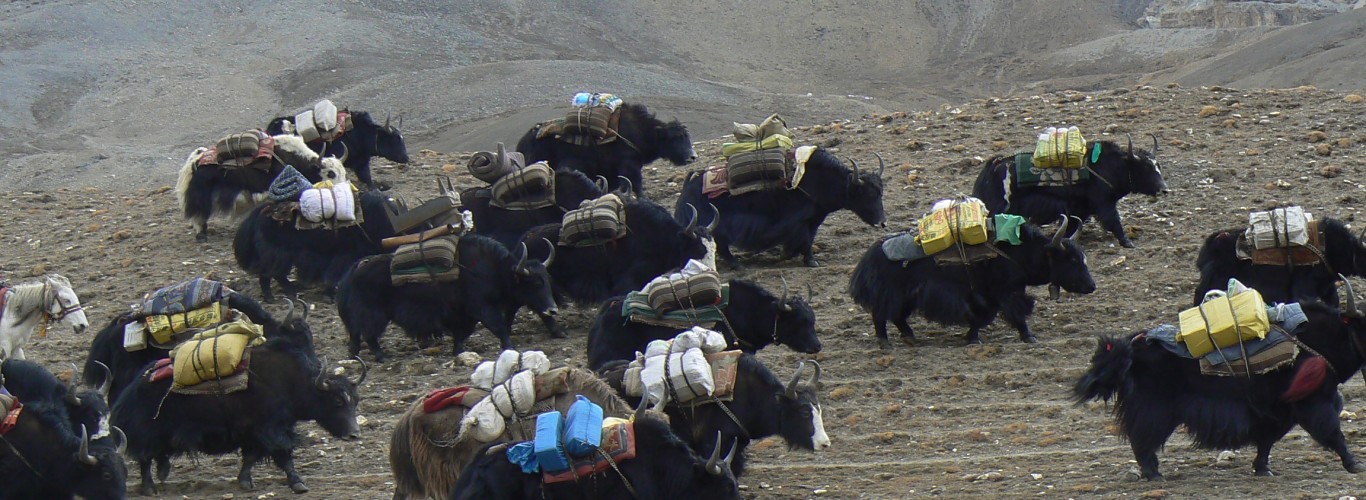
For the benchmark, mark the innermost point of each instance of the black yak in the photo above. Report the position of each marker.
(971, 295)
(762, 406)
(363, 141)
(507, 226)
(270, 248)
(786, 218)
(754, 318)
(664, 467)
(641, 139)
(1156, 391)
(288, 384)
(206, 189)
(1342, 253)
(1117, 173)
(494, 283)
(61, 445)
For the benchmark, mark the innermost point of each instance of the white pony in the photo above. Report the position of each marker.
(30, 307)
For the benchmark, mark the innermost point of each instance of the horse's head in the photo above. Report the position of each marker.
(61, 303)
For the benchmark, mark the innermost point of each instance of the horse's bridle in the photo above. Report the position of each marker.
(65, 310)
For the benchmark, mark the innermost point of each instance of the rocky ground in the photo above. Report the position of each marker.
(935, 419)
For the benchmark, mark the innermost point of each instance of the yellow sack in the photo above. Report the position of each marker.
(770, 142)
(1224, 318)
(214, 354)
(1060, 148)
(951, 221)
(748, 132)
(164, 326)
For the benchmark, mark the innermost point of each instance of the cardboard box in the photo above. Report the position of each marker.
(964, 221)
(1218, 322)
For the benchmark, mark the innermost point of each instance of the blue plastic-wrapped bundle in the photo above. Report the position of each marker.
(583, 428)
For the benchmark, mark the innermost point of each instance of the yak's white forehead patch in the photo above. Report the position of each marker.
(819, 440)
(101, 429)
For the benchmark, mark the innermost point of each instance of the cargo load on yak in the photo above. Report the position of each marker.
(329, 205)
(596, 222)
(591, 120)
(954, 221)
(253, 148)
(1251, 356)
(512, 398)
(1282, 237)
(170, 311)
(442, 210)
(690, 368)
(573, 445)
(426, 261)
(529, 188)
(693, 296)
(1223, 319)
(1060, 148)
(321, 123)
(1027, 174)
(491, 166)
(761, 158)
(457, 228)
(215, 355)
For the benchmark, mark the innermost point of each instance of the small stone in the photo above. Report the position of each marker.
(1225, 456)
(468, 358)
(1036, 476)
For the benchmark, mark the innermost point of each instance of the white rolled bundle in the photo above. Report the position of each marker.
(488, 418)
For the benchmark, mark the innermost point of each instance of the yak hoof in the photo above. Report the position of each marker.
(558, 333)
(246, 484)
(202, 237)
(908, 340)
(1355, 467)
(811, 262)
(1265, 473)
(884, 344)
(1127, 244)
(147, 490)
(1029, 339)
(975, 341)
(1155, 477)
(383, 186)
(298, 487)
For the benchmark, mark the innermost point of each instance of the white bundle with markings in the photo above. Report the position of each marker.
(487, 420)
(676, 370)
(491, 373)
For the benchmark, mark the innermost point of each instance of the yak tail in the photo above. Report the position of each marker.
(1109, 374)
(1308, 379)
(407, 480)
(182, 183)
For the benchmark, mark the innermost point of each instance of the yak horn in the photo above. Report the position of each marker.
(289, 313)
(346, 151)
(816, 377)
(601, 182)
(550, 258)
(858, 180)
(400, 122)
(782, 302)
(809, 292)
(321, 381)
(796, 377)
(714, 463)
(630, 187)
(1058, 236)
(387, 116)
(715, 218)
(1352, 311)
(692, 223)
(1079, 222)
(108, 380)
(640, 409)
(364, 369)
(71, 398)
(307, 306)
(1154, 145)
(1131, 142)
(84, 455)
(122, 442)
(881, 167)
(521, 256)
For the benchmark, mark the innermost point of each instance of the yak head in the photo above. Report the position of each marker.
(1067, 263)
(335, 406)
(795, 326)
(389, 142)
(865, 194)
(1145, 174)
(697, 241)
(802, 423)
(532, 281)
(674, 143)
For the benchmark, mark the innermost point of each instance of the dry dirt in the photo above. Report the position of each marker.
(936, 419)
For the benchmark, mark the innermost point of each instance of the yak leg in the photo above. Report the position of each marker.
(201, 228)
(148, 487)
(284, 459)
(556, 331)
(1149, 434)
(1319, 417)
(723, 251)
(163, 468)
(907, 334)
(249, 458)
(1016, 311)
(1109, 219)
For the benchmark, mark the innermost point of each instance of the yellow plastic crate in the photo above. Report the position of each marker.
(964, 221)
(1063, 149)
(1249, 309)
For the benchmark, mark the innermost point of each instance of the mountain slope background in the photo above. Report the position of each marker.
(116, 93)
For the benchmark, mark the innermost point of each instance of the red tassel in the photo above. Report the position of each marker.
(1308, 379)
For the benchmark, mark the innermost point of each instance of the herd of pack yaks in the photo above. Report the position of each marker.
(71, 439)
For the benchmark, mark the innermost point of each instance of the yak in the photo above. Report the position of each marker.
(641, 139)
(789, 218)
(426, 460)
(664, 467)
(204, 190)
(1156, 391)
(61, 445)
(1342, 253)
(507, 226)
(363, 141)
(754, 318)
(971, 294)
(494, 283)
(270, 249)
(1115, 174)
(761, 406)
(106, 349)
(288, 384)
